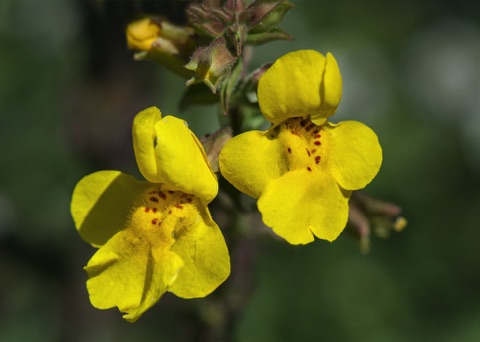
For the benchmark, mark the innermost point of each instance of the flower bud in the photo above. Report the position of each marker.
(142, 33)
(163, 42)
(209, 22)
(265, 15)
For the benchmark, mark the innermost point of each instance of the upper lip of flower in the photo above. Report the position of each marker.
(299, 84)
(167, 152)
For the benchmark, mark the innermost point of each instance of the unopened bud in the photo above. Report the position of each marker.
(265, 15)
(210, 22)
(142, 33)
(262, 18)
(163, 42)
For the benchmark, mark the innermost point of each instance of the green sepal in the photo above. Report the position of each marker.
(264, 37)
(265, 15)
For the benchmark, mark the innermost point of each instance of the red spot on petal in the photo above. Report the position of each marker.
(154, 221)
(318, 143)
(317, 159)
(154, 210)
(317, 136)
(289, 150)
(178, 206)
(147, 210)
(316, 131)
(303, 123)
(154, 199)
(314, 150)
(162, 195)
(309, 169)
(170, 191)
(308, 152)
(189, 200)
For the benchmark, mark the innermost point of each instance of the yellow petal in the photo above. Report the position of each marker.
(144, 141)
(330, 91)
(142, 33)
(298, 84)
(168, 152)
(250, 160)
(355, 154)
(302, 204)
(102, 202)
(200, 244)
(126, 273)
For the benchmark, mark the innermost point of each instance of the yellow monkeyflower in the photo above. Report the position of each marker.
(304, 168)
(156, 235)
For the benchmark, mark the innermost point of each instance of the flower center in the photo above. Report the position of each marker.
(162, 214)
(303, 143)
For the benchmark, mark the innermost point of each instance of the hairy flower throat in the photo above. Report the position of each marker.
(163, 214)
(304, 144)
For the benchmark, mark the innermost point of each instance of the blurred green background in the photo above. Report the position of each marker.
(69, 90)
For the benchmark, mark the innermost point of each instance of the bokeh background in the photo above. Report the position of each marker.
(69, 90)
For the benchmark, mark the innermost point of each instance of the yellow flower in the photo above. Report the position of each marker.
(156, 235)
(160, 41)
(142, 33)
(302, 169)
